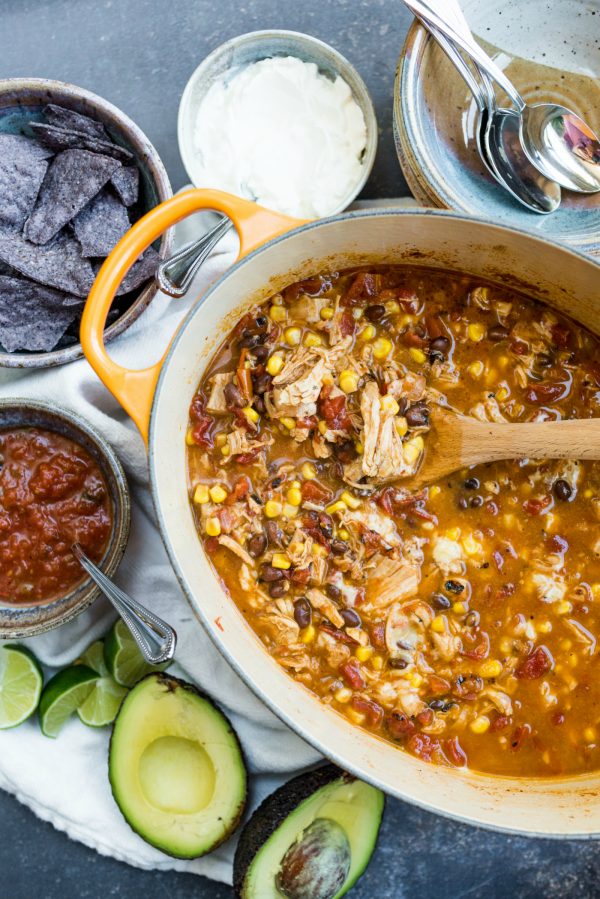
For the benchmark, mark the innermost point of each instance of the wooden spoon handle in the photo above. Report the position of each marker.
(574, 439)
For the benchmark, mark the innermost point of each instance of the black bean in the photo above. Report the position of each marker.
(562, 490)
(398, 663)
(338, 547)
(261, 353)
(471, 484)
(351, 618)
(497, 332)
(269, 574)
(261, 322)
(256, 545)
(417, 415)
(437, 705)
(454, 587)
(233, 397)
(325, 524)
(302, 612)
(262, 382)
(333, 592)
(274, 533)
(435, 356)
(440, 345)
(439, 601)
(544, 360)
(375, 313)
(476, 501)
(278, 589)
(345, 452)
(276, 482)
(250, 340)
(259, 405)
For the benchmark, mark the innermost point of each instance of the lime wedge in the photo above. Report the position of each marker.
(101, 706)
(123, 659)
(63, 695)
(93, 657)
(21, 683)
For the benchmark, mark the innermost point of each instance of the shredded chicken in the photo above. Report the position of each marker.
(383, 456)
(235, 547)
(239, 442)
(280, 628)
(392, 580)
(326, 606)
(448, 555)
(216, 402)
(297, 387)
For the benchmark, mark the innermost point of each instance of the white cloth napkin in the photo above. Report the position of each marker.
(65, 781)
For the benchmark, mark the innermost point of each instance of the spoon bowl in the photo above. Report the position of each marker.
(562, 146)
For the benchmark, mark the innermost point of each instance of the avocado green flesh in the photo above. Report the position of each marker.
(355, 806)
(176, 768)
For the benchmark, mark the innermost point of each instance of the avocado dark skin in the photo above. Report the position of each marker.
(272, 813)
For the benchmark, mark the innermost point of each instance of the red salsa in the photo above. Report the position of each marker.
(52, 494)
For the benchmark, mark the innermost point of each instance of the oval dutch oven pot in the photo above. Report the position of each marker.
(276, 251)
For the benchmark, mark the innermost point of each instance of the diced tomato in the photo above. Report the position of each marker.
(454, 752)
(413, 339)
(399, 725)
(481, 648)
(377, 634)
(519, 348)
(202, 422)
(434, 326)
(333, 410)
(501, 722)
(249, 457)
(300, 575)
(537, 663)
(558, 719)
(240, 489)
(561, 335)
(547, 392)
(536, 505)
(338, 634)
(352, 674)
(364, 285)
(423, 746)
(438, 686)
(244, 376)
(211, 545)
(372, 710)
(347, 324)
(314, 492)
(425, 717)
(593, 370)
(312, 286)
(557, 544)
(519, 736)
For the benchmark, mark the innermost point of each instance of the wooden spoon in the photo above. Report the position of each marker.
(457, 441)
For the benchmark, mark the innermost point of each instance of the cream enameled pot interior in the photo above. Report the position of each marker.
(567, 281)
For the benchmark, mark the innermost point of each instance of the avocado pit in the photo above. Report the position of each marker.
(316, 865)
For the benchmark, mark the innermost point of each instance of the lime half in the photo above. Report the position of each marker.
(123, 658)
(93, 657)
(21, 683)
(63, 695)
(101, 706)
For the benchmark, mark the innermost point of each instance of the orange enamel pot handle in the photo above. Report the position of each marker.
(135, 389)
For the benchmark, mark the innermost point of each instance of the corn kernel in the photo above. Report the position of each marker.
(201, 494)
(587, 494)
(280, 560)
(417, 355)
(392, 307)
(434, 491)
(566, 644)
(439, 624)
(273, 508)
(343, 534)
(349, 381)
(251, 414)
(328, 379)
(367, 333)
(506, 645)
(589, 734)
(401, 425)
(339, 506)
(389, 404)
(274, 364)
(355, 717)
(471, 546)
(277, 299)
(218, 494)
(563, 607)
(308, 471)
(480, 725)
(415, 679)
(318, 550)
(475, 332)
(220, 439)
(225, 450)
(327, 313)
(377, 662)
(289, 423)
(292, 336)
(290, 511)
(475, 369)
(459, 608)
(382, 348)
(490, 668)
(308, 634)
(296, 483)
(359, 447)
(323, 427)
(278, 313)
(294, 496)
(344, 694)
(502, 394)
(351, 501)
(428, 525)
(212, 527)
(189, 437)
(412, 449)
(453, 533)
(312, 340)
(363, 653)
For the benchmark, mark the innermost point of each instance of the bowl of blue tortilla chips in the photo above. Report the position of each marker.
(75, 174)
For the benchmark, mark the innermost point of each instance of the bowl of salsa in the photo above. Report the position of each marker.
(60, 483)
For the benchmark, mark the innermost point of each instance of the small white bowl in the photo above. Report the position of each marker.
(249, 48)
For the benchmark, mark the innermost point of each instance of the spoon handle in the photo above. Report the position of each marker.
(468, 44)
(571, 439)
(155, 638)
(174, 275)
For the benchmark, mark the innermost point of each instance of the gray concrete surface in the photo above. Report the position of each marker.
(139, 54)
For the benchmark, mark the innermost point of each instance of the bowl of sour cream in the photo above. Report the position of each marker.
(281, 118)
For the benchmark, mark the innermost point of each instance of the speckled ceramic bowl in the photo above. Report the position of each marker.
(551, 53)
(249, 48)
(17, 622)
(21, 101)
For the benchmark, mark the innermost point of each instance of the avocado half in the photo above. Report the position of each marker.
(176, 767)
(310, 839)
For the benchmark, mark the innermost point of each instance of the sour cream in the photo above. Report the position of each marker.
(281, 133)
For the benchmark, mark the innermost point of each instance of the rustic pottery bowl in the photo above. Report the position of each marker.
(22, 101)
(551, 53)
(17, 622)
(249, 48)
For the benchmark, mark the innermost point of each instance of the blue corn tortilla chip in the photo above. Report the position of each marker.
(74, 121)
(33, 317)
(72, 179)
(126, 182)
(23, 165)
(101, 224)
(58, 264)
(140, 271)
(61, 139)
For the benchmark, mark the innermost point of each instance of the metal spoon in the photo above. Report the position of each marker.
(174, 275)
(497, 137)
(155, 638)
(556, 140)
